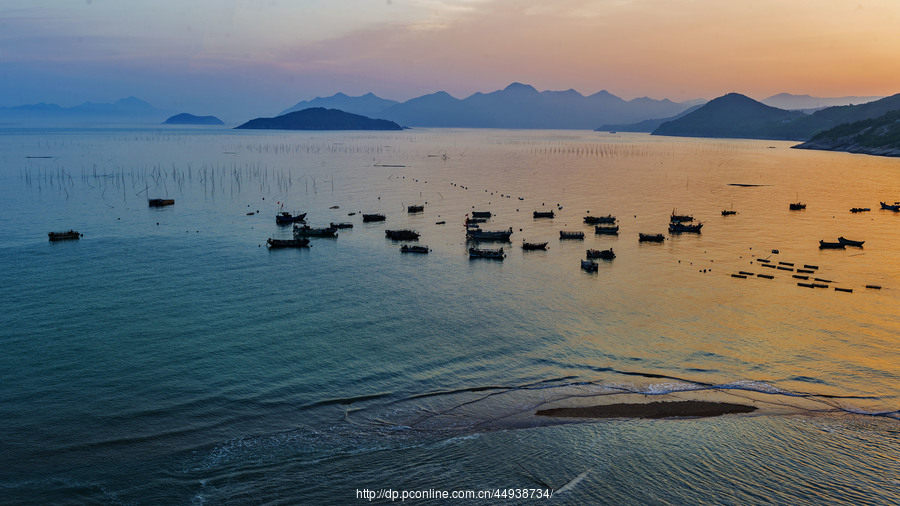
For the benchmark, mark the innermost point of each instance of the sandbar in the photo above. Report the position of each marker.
(650, 410)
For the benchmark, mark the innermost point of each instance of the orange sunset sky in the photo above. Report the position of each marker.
(241, 58)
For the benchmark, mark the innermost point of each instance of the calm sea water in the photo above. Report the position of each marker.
(168, 357)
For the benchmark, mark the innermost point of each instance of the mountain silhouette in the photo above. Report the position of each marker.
(516, 106)
(319, 118)
(189, 119)
(737, 116)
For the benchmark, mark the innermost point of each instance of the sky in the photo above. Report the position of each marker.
(239, 59)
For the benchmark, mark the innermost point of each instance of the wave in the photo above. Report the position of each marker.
(507, 407)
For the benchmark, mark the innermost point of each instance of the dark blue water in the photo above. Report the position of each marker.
(169, 357)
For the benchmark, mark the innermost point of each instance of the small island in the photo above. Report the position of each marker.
(189, 119)
(319, 118)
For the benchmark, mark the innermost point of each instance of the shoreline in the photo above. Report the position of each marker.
(656, 409)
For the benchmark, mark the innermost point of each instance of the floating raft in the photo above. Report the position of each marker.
(806, 271)
(800, 277)
(766, 276)
(786, 263)
(739, 276)
(807, 266)
(874, 287)
(783, 268)
(768, 265)
(837, 289)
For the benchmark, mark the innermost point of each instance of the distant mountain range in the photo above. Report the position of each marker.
(809, 104)
(125, 110)
(319, 118)
(516, 106)
(737, 116)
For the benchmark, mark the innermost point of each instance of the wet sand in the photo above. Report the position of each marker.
(650, 410)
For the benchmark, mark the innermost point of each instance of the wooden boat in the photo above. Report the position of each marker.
(680, 218)
(848, 242)
(891, 207)
(606, 230)
(413, 249)
(288, 243)
(64, 236)
(481, 214)
(284, 218)
(372, 217)
(544, 214)
(402, 235)
(605, 254)
(677, 228)
(160, 202)
(589, 265)
(534, 245)
(831, 245)
(494, 254)
(568, 234)
(415, 209)
(859, 209)
(728, 212)
(595, 220)
(341, 225)
(477, 234)
(651, 238)
(797, 206)
(307, 231)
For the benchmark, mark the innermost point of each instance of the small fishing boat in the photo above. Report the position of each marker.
(891, 207)
(402, 235)
(595, 220)
(831, 245)
(494, 254)
(606, 230)
(677, 228)
(680, 218)
(534, 245)
(288, 243)
(413, 249)
(481, 214)
(373, 217)
(307, 231)
(569, 234)
(589, 265)
(651, 238)
(64, 236)
(859, 209)
(544, 214)
(160, 202)
(415, 209)
(728, 212)
(477, 234)
(797, 206)
(605, 254)
(848, 242)
(284, 218)
(346, 224)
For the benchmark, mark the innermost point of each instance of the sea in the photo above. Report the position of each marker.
(169, 357)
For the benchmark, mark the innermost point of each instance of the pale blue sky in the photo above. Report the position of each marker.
(241, 58)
